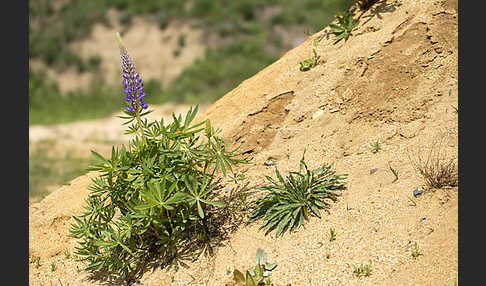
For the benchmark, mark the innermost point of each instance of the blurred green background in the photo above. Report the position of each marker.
(251, 34)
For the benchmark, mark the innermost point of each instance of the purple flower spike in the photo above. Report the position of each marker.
(132, 82)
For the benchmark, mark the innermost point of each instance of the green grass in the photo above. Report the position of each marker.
(362, 270)
(416, 250)
(375, 146)
(45, 170)
(332, 234)
(48, 106)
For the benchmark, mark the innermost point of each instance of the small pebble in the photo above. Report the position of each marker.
(417, 192)
(269, 163)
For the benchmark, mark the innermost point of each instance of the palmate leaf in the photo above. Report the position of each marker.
(157, 195)
(198, 193)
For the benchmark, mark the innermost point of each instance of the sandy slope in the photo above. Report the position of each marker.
(394, 80)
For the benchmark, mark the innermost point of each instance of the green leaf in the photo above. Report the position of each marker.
(315, 210)
(340, 37)
(98, 156)
(258, 272)
(214, 203)
(126, 248)
(270, 266)
(260, 257)
(238, 276)
(249, 280)
(200, 210)
(283, 225)
(176, 198)
(336, 28)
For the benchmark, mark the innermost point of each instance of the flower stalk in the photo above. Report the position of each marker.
(134, 88)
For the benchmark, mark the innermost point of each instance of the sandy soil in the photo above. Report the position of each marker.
(394, 80)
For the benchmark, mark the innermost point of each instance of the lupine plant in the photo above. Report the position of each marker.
(156, 197)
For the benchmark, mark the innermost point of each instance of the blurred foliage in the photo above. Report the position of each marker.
(248, 44)
(213, 75)
(48, 106)
(45, 170)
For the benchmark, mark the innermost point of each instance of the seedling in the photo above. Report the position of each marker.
(53, 266)
(416, 251)
(362, 270)
(332, 235)
(258, 275)
(313, 61)
(37, 262)
(375, 146)
(310, 63)
(346, 24)
(67, 254)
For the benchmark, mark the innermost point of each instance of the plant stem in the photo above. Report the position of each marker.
(140, 127)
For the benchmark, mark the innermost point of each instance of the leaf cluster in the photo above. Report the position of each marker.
(259, 274)
(375, 146)
(345, 25)
(362, 270)
(311, 62)
(288, 202)
(154, 197)
(416, 250)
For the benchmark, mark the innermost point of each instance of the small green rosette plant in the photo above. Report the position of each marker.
(157, 196)
(289, 202)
